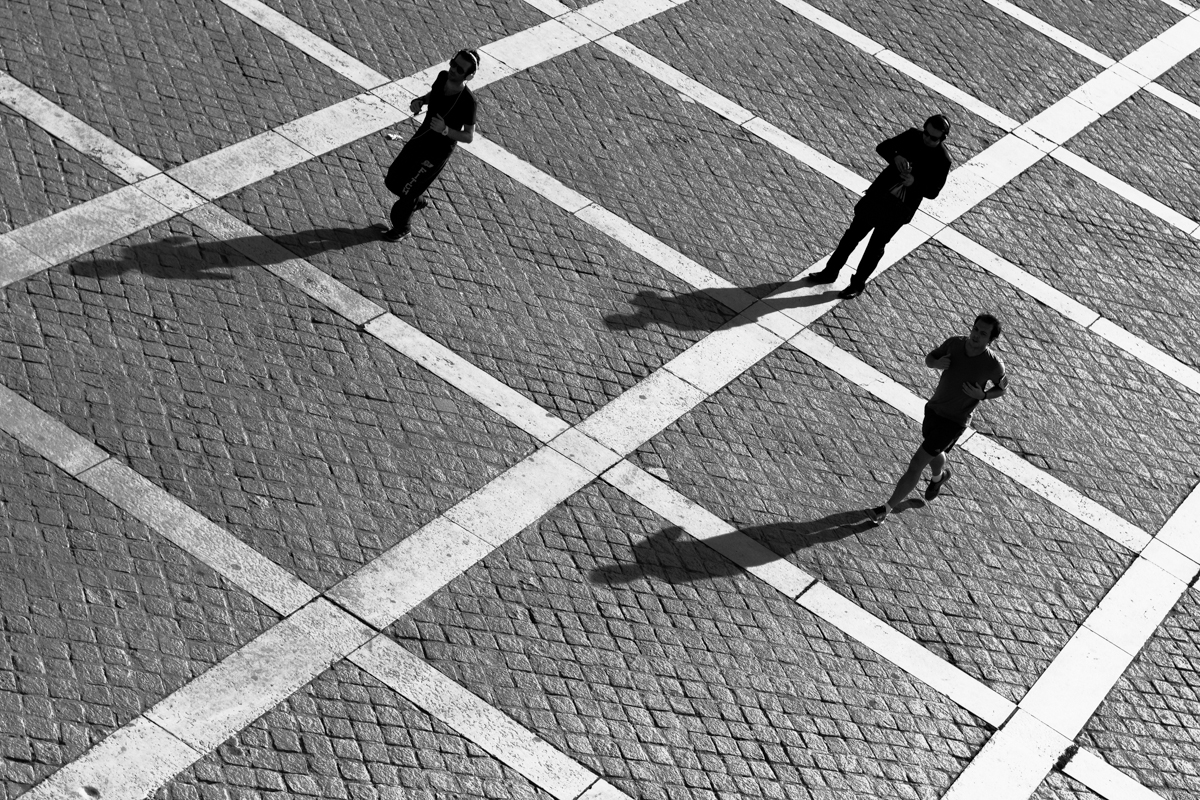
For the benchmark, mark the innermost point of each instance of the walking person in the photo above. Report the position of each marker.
(918, 164)
(967, 365)
(449, 120)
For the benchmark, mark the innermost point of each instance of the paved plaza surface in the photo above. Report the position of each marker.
(566, 495)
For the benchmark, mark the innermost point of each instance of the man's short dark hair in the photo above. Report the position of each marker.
(469, 55)
(995, 323)
(939, 122)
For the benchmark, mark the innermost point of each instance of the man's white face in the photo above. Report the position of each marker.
(460, 68)
(933, 137)
(981, 334)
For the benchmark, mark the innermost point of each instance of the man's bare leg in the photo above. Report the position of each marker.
(911, 477)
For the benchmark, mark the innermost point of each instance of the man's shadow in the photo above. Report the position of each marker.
(184, 257)
(674, 558)
(686, 312)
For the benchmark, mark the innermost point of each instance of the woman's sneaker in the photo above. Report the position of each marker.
(931, 491)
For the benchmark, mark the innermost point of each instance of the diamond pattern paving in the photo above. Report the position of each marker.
(346, 736)
(1092, 416)
(1058, 786)
(1184, 78)
(1114, 28)
(39, 175)
(101, 619)
(169, 79)
(1108, 254)
(975, 47)
(1149, 727)
(725, 198)
(272, 417)
(507, 280)
(1166, 161)
(988, 577)
(832, 96)
(657, 664)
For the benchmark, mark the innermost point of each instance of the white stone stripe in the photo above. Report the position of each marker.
(45, 435)
(525, 173)
(1050, 32)
(239, 165)
(947, 90)
(73, 131)
(17, 263)
(532, 46)
(1180, 6)
(613, 15)
(1167, 49)
(641, 411)
(1182, 531)
(342, 123)
(1147, 353)
(723, 355)
(996, 456)
(1177, 100)
(1105, 779)
(1013, 763)
(1133, 608)
(308, 43)
(481, 723)
(1125, 191)
(197, 535)
(839, 29)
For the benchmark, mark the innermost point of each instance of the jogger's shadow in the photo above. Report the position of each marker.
(688, 311)
(674, 558)
(178, 257)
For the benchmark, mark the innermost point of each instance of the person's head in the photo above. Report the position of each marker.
(464, 64)
(937, 128)
(985, 330)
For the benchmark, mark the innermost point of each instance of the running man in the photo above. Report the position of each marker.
(449, 120)
(918, 164)
(967, 366)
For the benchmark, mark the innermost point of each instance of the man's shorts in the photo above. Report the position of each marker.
(940, 433)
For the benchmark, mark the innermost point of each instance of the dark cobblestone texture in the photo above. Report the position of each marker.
(828, 94)
(1058, 786)
(277, 420)
(707, 188)
(989, 577)
(1184, 78)
(1115, 28)
(169, 79)
(39, 175)
(660, 666)
(1108, 254)
(400, 38)
(1149, 727)
(547, 304)
(975, 47)
(1167, 151)
(101, 619)
(1091, 415)
(348, 736)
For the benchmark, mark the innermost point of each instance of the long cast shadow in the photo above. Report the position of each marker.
(674, 558)
(679, 311)
(184, 257)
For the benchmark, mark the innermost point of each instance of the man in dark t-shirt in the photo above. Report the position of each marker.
(967, 366)
(449, 120)
(918, 164)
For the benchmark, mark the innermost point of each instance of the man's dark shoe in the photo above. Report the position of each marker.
(395, 234)
(879, 514)
(931, 491)
(851, 291)
(421, 203)
(824, 276)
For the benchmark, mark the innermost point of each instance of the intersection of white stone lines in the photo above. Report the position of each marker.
(465, 648)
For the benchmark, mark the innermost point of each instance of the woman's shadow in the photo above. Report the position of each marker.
(184, 257)
(691, 311)
(674, 558)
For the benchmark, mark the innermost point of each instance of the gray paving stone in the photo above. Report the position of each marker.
(1184, 78)
(1058, 786)
(1149, 726)
(989, 577)
(101, 619)
(658, 665)
(1153, 146)
(825, 92)
(675, 169)
(263, 411)
(1114, 28)
(977, 48)
(346, 736)
(399, 38)
(542, 301)
(39, 175)
(1091, 415)
(1108, 254)
(170, 80)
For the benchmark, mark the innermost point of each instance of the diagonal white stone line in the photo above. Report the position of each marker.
(1106, 780)
(1067, 694)
(73, 131)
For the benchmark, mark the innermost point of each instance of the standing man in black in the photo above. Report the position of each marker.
(449, 120)
(917, 167)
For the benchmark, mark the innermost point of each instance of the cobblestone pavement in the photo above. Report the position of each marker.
(566, 495)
